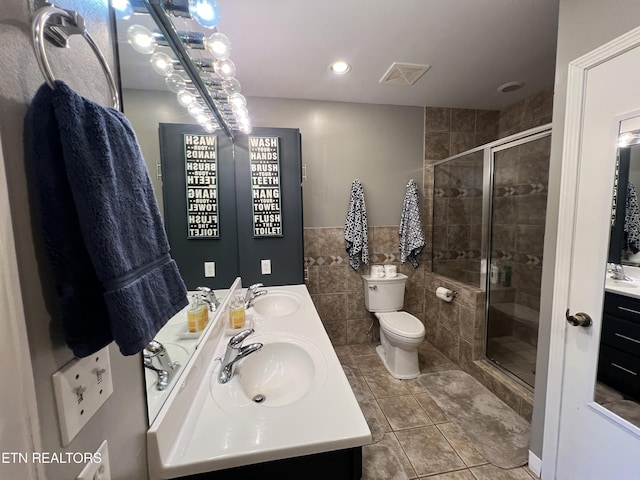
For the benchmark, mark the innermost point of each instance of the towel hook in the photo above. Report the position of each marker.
(63, 24)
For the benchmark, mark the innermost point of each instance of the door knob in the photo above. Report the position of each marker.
(580, 319)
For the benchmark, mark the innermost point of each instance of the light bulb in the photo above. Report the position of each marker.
(202, 119)
(231, 86)
(195, 109)
(141, 39)
(186, 98)
(210, 126)
(218, 45)
(237, 100)
(205, 12)
(162, 63)
(241, 112)
(339, 68)
(175, 83)
(225, 69)
(123, 8)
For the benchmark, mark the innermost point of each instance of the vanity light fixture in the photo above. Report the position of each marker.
(207, 87)
(627, 139)
(205, 12)
(339, 67)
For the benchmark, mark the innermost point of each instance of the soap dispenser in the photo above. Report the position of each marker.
(197, 314)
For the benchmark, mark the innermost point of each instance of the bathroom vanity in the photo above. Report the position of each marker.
(619, 361)
(287, 409)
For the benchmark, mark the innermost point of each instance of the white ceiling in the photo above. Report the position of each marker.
(282, 48)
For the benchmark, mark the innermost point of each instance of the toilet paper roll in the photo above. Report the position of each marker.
(377, 271)
(444, 294)
(390, 271)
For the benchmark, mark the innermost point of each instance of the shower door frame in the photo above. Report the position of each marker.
(489, 150)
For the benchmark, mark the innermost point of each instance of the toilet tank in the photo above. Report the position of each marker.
(384, 294)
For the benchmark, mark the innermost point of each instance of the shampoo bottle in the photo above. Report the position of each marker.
(494, 274)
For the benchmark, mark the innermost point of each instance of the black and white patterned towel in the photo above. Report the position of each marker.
(355, 227)
(632, 221)
(411, 235)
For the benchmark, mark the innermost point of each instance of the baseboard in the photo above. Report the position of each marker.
(535, 464)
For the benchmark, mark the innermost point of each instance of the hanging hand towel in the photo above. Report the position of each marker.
(355, 227)
(102, 228)
(632, 221)
(411, 236)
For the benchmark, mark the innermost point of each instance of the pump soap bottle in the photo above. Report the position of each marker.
(197, 315)
(236, 313)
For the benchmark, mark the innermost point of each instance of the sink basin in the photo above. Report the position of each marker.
(277, 304)
(287, 369)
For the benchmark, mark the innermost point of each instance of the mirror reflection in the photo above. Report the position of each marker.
(147, 107)
(618, 385)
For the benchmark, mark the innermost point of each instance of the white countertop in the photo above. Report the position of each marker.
(628, 288)
(198, 431)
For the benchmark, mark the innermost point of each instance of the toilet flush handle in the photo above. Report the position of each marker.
(373, 287)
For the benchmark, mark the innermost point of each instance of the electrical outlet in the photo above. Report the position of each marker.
(266, 267)
(209, 269)
(98, 467)
(81, 387)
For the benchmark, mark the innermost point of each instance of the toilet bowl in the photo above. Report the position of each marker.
(400, 335)
(400, 332)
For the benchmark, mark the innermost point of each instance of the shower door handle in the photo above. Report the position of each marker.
(580, 319)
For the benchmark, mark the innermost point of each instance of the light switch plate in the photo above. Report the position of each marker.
(209, 269)
(266, 267)
(81, 387)
(98, 467)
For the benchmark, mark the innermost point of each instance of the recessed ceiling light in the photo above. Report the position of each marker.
(339, 68)
(510, 87)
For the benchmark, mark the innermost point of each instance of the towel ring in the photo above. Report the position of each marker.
(66, 23)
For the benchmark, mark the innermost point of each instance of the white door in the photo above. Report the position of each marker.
(582, 439)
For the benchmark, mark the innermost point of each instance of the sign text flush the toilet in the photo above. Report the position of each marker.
(264, 156)
(201, 172)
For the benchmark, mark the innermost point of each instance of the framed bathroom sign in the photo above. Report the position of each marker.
(264, 156)
(201, 175)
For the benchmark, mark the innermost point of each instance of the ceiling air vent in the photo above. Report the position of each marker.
(404, 73)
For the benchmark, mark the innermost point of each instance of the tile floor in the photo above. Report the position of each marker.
(412, 437)
(515, 355)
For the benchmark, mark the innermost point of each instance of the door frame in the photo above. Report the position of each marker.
(577, 77)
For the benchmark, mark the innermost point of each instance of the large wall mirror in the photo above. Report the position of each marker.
(618, 385)
(147, 103)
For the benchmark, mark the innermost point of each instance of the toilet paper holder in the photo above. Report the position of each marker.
(446, 294)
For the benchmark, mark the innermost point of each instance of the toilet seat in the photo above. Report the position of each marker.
(402, 324)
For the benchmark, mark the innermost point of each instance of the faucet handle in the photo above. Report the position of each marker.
(204, 289)
(154, 348)
(255, 286)
(238, 338)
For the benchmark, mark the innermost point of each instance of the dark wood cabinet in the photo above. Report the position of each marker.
(619, 362)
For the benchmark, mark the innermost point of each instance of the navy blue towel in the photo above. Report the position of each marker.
(101, 224)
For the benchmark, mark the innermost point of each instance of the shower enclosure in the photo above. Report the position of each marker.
(489, 207)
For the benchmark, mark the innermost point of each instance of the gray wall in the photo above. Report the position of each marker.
(122, 420)
(382, 145)
(583, 26)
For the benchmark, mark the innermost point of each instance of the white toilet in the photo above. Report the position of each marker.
(400, 332)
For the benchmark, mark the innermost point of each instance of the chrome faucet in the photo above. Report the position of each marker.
(156, 358)
(236, 352)
(252, 294)
(617, 272)
(209, 297)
